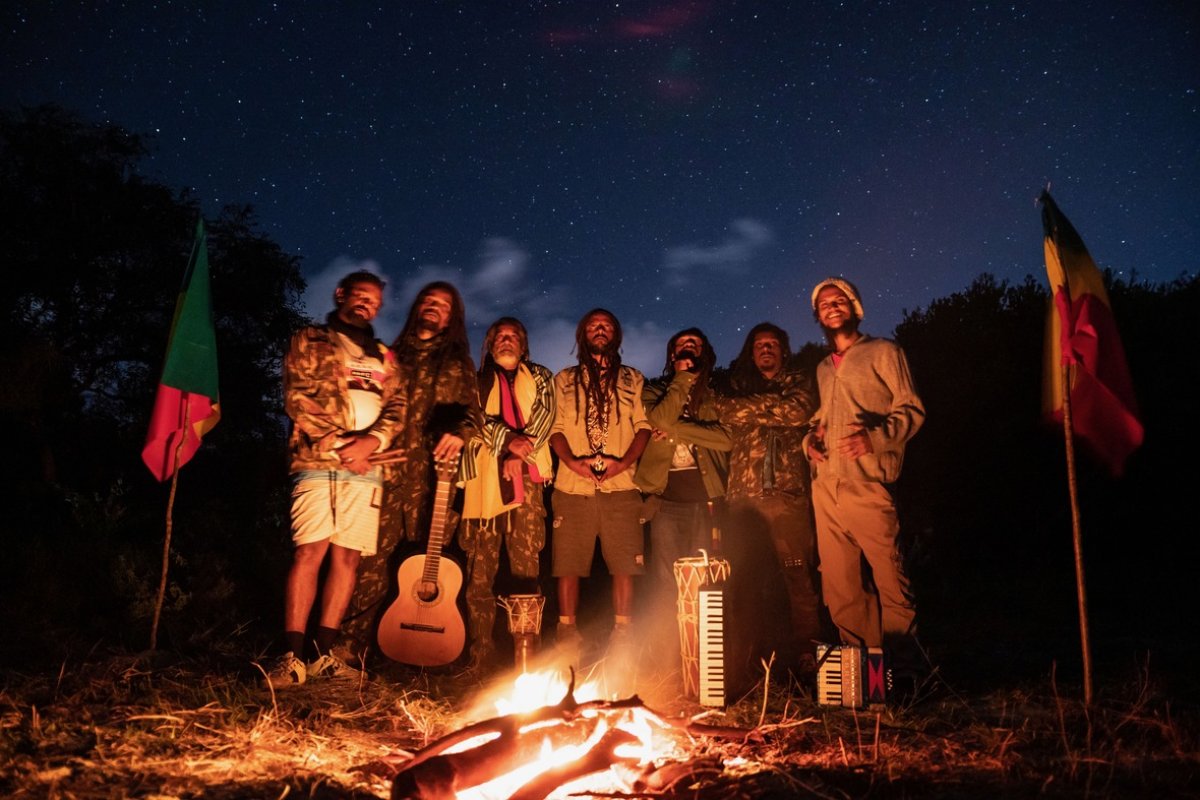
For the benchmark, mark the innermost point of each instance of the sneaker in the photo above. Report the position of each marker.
(330, 667)
(287, 672)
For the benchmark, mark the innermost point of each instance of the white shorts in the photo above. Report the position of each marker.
(339, 506)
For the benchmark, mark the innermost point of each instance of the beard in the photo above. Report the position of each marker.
(431, 325)
(507, 358)
(356, 316)
(768, 364)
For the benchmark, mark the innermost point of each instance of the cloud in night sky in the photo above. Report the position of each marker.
(733, 256)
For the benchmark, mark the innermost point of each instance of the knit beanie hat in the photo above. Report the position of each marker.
(846, 286)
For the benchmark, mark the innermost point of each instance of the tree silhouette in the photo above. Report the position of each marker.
(96, 254)
(984, 495)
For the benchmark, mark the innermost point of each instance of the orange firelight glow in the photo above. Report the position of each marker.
(531, 691)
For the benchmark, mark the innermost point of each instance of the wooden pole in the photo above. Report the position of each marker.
(166, 553)
(1077, 535)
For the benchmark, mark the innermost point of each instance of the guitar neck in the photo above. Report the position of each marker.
(437, 531)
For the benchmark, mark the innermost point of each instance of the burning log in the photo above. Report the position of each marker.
(566, 709)
(443, 776)
(668, 776)
(600, 757)
(742, 735)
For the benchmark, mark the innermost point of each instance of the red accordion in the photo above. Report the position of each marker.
(850, 676)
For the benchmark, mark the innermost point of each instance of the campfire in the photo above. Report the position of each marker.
(551, 739)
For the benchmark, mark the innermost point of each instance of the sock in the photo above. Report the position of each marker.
(325, 639)
(294, 640)
(566, 620)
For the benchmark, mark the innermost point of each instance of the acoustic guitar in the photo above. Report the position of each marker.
(423, 626)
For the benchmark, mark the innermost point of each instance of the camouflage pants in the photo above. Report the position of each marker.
(403, 519)
(755, 527)
(523, 532)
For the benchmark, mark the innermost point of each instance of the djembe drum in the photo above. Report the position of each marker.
(690, 575)
(525, 625)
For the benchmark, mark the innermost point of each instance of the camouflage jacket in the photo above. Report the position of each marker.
(438, 400)
(316, 397)
(665, 400)
(767, 430)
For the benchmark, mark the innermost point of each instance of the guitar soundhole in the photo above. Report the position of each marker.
(427, 592)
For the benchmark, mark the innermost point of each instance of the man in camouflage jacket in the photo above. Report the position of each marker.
(437, 379)
(767, 406)
(342, 392)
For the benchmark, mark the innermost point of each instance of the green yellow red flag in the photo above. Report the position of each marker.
(186, 405)
(1082, 332)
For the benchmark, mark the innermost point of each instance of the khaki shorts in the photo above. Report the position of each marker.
(613, 516)
(339, 506)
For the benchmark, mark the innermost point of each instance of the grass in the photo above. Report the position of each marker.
(162, 726)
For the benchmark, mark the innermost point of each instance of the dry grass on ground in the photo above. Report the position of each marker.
(135, 726)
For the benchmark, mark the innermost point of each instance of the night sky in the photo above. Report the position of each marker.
(681, 163)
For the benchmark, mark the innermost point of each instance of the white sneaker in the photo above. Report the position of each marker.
(287, 672)
(331, 667)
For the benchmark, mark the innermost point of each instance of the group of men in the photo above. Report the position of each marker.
(761, 455)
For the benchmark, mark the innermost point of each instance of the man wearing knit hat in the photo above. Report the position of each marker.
(868, 411)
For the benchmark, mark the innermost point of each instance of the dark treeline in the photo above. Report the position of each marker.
(95, 253)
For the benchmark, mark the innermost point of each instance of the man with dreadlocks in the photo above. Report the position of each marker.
(438, 381)
(767, 406)
(504, 467)
(684, 468)
(599, 433)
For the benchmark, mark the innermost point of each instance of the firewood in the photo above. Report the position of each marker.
(670, 775)
(743, 735)
(600, 757)
(456, 772)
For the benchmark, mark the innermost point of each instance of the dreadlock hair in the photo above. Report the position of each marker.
(706, 359)
(600, 386)
(744, 375)
(454, 344)
(487, 364)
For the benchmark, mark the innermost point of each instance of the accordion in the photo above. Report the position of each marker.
(850, 676)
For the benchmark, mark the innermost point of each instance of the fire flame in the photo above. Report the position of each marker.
(531, 691)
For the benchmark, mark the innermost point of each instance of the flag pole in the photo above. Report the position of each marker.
(166, 554)
(1077, 536)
